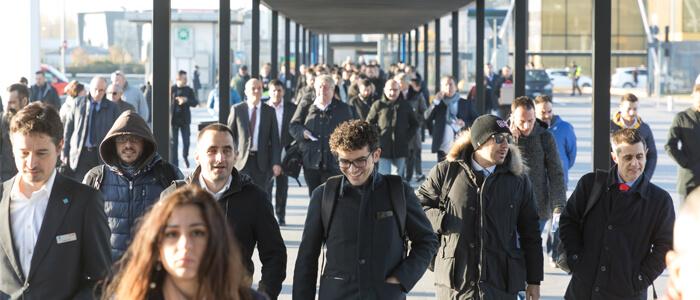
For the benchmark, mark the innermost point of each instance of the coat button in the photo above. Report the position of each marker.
(602, 268)
(362, 261)
(640, 277)
(471, 245)
(610, 227)
(596, 289)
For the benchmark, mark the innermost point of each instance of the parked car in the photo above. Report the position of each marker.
(561, 80)
(57, 79)
(624, 77)
(537, 82)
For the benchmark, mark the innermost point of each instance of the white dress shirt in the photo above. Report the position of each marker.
(218, 194)
(26, 217)
(279, 112)
(256, 133)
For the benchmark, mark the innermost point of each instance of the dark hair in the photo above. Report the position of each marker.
(243, 67)
(276, 83)
(182, 72)
(40, 72)
(522, 101)
(365, 82)
(629, 97)
(542, 99)
(23, 80)
(221, 273)
(629, 136)
(38, 117)
(354, 135)
(415, 80)
(218, 127)
(75, 89)
(21, 90)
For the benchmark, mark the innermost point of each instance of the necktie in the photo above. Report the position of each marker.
(623, 187)
(253, 121)
(91, 130)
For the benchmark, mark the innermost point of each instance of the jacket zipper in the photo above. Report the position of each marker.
(480, 191)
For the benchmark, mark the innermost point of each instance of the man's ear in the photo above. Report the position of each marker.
(613, 155)
(377, 154)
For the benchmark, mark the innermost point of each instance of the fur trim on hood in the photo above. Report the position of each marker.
(462, 149)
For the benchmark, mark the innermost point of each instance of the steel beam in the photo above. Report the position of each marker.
(224, 59)
(479, 61)
(437, 55)
(455, 45)
(520, 47)
(161, 73)
(601, 84)
(274, 45)
(255, 40)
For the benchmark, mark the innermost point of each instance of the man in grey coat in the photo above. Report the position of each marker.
(683, 145)
(132, 95)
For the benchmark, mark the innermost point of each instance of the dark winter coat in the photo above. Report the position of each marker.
(361, 107)
(397, 125)
(180, 114)
(249, 213)
(645, 132)
(7, 157)
(541, 155)
(504, 231)
(436, 119)
(619, 249)
(317, 155)
(128, 196)
(46, 94)
(683, 146)
(364, 246)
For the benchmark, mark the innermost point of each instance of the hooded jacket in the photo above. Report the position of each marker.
(249, 213)
(489, 232)
(128, 194)
(540, 153)
(566, 143)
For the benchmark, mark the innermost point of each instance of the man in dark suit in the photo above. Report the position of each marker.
(255, 131)
(284, 110)
(54, 237)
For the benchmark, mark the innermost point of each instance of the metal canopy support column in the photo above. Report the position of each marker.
(274, 45)
(403, 47)
(297, 57)
(255, 43)
(601, 84)
(329, 51)
(479, 65)
(520, 48)
(417, 36)
(455, 45)
(398, 47)
(409, 45)
(437, 55)
(425, 55)
(161, 74)
(224, 59)
(287, 48)
(303, 46)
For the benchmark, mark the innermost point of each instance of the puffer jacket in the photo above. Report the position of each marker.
(494, 248)
(128, 196)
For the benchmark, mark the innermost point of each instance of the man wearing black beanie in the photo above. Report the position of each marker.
(480, 202)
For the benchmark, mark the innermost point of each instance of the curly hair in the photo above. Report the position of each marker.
(354, 135)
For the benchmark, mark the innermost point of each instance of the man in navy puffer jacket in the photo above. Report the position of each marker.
(131, 179)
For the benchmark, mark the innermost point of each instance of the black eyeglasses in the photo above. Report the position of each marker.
(503, 137)
(358, 163)
(122, 139)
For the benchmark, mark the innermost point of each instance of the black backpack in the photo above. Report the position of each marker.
(334, 188)
(292, 162)
(165, 174)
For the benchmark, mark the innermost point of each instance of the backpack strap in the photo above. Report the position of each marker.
(165, 174)
(601, 176)
(331, 192)
(179, 183)
(99, 176)
(398, 201)
(450, 178)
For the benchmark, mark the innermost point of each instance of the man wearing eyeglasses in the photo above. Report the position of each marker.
(481, 203)
(356, 216)
(132, 177)
(114, 94)
(85, 128)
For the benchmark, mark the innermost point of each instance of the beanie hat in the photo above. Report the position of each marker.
(484, 127)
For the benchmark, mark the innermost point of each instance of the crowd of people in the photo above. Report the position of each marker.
(92, 211)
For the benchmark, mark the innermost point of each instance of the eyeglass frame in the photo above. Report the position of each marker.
(502, 137)
(124, 138)
(354, 162)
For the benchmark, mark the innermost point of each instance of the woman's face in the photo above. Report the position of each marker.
(184, 242)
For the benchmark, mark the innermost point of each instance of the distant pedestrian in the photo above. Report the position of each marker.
(683, 145)
(43, 91)
(183, 98)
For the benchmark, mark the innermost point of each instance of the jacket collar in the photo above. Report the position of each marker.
(238, 180)
(642, 187)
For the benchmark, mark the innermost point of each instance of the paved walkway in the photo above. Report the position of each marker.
(576, 110)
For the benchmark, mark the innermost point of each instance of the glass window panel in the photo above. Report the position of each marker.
(579, 17)
(691, 15)
(553, 16)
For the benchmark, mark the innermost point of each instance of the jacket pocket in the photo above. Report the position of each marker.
(445, 261)
(516, 272)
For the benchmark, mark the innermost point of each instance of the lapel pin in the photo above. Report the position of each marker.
(65, 201)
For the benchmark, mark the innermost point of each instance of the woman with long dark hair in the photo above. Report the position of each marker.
(183, 250)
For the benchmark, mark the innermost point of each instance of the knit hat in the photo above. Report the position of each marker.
(484, 127)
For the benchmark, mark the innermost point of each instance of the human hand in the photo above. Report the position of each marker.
(181, 100)
(532, 292)
(393, 280)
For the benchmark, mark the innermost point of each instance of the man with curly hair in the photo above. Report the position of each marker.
(364, 219)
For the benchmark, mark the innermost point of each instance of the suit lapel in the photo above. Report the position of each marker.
(55, 212)
(245, 121)
(6, 227)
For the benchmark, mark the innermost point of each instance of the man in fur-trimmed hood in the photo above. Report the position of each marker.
(481, 204)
